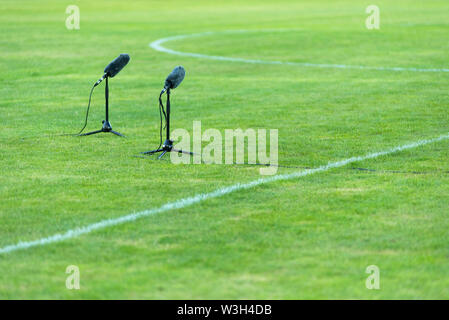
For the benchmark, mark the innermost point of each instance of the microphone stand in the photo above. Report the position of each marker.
(106, 125)
(168, 144)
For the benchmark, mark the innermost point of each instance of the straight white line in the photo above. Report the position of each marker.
(182, 203)
(157, 45)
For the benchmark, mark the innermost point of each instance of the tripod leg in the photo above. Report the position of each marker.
(165, 151)
(89, 133)
(117, 133)
(152, 151)
(182, 151)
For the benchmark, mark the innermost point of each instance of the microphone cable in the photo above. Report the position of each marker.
(161, 111)
(87, 112)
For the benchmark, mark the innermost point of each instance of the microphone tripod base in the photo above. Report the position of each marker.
(167, 147)
(105, 128)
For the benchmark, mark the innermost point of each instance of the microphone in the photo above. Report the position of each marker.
(114, 67)
(174, 78)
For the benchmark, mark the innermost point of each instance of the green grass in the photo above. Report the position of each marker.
(311, 237)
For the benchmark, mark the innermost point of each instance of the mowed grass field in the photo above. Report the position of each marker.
(304, 238)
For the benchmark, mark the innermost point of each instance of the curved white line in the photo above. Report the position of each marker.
(157, 45)
(185, 202)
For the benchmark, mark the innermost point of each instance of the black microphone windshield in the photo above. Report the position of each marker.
(115, 66)
(175, 77)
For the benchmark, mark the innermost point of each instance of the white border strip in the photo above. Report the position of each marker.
(182, 203)
(157, 45)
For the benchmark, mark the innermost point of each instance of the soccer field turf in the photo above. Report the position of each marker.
(303, 238)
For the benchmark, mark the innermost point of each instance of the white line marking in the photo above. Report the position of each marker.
(157, 45)
(182, 203)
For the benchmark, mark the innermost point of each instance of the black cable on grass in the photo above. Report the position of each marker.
(272, 165)
(398, 171)
(303, 167)
(47, 136)
(352, 168)
(72, 134)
